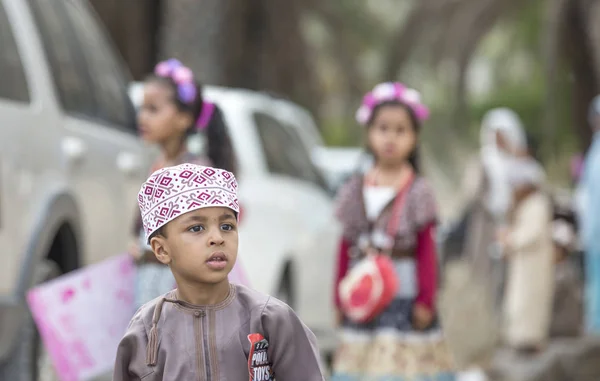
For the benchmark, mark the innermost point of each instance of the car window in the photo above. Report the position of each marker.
(87, 76)
(109, 81)
(67, 72)
(14, 82)
(284, 151)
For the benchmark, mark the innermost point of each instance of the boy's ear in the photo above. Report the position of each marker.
(160, 249)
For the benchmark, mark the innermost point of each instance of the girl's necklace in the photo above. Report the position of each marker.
(402, 178)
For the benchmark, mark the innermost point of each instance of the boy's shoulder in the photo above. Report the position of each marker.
(142, 319)
(254, 300)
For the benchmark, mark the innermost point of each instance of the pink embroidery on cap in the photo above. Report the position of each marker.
(173, 191)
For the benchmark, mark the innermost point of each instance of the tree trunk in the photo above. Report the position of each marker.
(579, 51)
(477, 23)
(255, 45)
(192, 31)
(404, 39)
(132, 26)
(407, 37)
(344, 50)
(554, 29)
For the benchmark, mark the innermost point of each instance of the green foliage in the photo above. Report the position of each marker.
(528, 100)
(341, 132)
(523, 35)
(514, 50)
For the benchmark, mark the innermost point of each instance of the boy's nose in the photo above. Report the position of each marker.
(216, 239)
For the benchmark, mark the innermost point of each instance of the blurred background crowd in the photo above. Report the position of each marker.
(509, 149)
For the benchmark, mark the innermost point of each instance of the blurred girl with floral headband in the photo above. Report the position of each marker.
(174, 114)
(389, 216)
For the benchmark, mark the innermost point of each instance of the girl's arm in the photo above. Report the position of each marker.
(344, 202)
(426, 258)
(342, 268)
(424, 213)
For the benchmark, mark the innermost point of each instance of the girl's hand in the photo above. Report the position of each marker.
(422, 316)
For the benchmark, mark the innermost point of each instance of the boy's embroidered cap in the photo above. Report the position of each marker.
(173, 191)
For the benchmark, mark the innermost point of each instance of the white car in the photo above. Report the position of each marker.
(340, 163)
(289, 235)
(70, 159)
(336, 163)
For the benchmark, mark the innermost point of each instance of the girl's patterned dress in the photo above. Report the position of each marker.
(153, 278)
(389, 347)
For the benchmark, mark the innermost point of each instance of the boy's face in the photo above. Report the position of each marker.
(199, 246)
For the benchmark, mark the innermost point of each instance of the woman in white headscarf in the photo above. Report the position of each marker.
(473, 286)
(487, 187)
(528, 249)
(502, 137)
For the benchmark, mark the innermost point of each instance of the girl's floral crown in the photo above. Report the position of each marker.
(183, 77)
(391, 91)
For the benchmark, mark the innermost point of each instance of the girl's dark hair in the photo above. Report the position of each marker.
(220, 148)
(194, 108)
(218, 142)
(413, 157)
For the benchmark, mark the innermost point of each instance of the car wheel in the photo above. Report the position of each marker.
(29, 361)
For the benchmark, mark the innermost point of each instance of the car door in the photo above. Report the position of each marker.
(104, 159)
(319, 255)
(306, 193)
(15, 117)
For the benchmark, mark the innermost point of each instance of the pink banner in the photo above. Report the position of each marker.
(83, 315)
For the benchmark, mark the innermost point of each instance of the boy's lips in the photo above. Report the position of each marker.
(217, 261)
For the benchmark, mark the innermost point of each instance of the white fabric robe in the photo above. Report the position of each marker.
(530, 275)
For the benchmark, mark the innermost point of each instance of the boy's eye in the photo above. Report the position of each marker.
(196, 228)
(227, 227)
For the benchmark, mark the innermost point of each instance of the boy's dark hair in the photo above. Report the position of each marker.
(219, 146)
(413, 157)
(158, 232)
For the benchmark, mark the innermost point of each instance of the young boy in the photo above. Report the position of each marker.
(207, 328)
